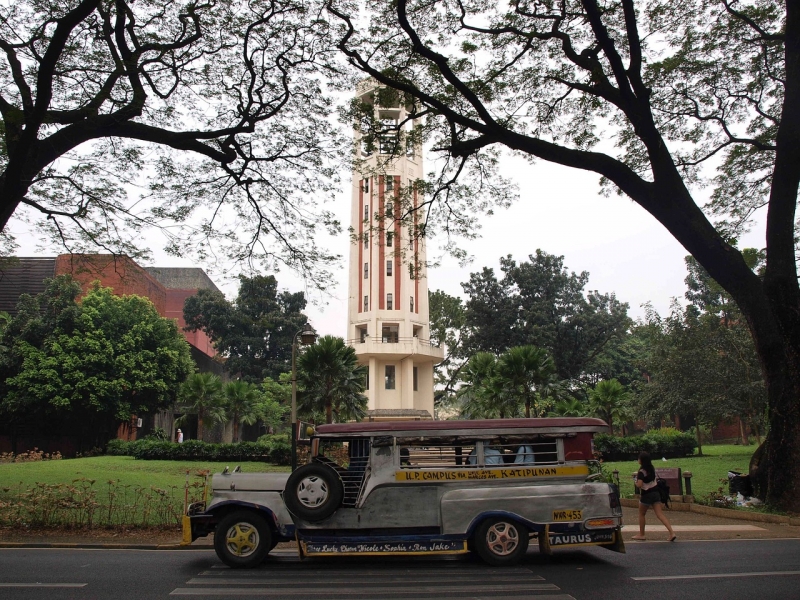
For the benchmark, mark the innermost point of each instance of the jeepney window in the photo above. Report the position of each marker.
(421, 454)
(427, 453)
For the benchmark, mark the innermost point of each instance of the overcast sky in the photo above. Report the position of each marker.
(559, 210)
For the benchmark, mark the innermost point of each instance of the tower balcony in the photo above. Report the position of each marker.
(397, 348)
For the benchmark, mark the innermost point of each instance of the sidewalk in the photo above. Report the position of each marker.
(687, 525)
(697, 526)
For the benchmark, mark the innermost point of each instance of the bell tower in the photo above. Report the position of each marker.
(388, 320)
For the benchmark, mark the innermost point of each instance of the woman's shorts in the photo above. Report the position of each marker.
(650, 497)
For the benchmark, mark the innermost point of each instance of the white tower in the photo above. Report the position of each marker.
(388, 321)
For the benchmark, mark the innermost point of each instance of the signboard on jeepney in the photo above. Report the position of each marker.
(582, 538)
(383, 547)
(465, 474)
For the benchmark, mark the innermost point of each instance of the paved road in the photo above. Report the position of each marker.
(729, 569)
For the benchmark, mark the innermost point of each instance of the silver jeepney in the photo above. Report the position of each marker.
(422, 487)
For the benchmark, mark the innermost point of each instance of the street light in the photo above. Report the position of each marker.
(307, 337)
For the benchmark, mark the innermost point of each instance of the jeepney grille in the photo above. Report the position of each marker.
(351, 461)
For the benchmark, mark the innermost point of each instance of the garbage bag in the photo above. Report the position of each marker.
(739, 484)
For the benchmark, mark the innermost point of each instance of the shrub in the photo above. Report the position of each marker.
(280, 448)
(667, 442)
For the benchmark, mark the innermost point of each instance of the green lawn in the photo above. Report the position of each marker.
(707, 470)
(162, 474)
(104, 490)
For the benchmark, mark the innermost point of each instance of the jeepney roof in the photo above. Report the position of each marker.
(477, 427)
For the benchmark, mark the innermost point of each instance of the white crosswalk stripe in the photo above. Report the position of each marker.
(371, 580)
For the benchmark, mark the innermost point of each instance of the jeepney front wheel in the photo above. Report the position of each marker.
(313, 492)
(499, 541)
(242, 539)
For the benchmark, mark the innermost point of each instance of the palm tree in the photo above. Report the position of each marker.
(568, 407)
(607, 401)
(527, 373)
(203, 393)
(242, 401)
(331, 379)
(481, 394)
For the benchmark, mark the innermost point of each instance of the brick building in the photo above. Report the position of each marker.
(167, 289)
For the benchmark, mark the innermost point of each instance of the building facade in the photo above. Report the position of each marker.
(388, 320)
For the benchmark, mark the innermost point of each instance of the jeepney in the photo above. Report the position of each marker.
(420, 487)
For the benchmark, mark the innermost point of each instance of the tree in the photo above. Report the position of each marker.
(255, 332)
(448, 329)
(242, 404)
(686, 93)
(331, 380)
(276, 400)
(215, 109)
(608, 401)
(202, 394)
(480, 395)
(90, 366)
(570, 407)
(525, 371)
(542, 304)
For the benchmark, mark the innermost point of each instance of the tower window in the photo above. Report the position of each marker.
(389, 183)
(412, 303)
(388, 268)
(389, 377)
(366, 212)
(366, 239)
(390, 210)
(366, 303)
(389, 239)
(388, 302)
(366, 379)
(365, 185)
(415, 379)
(366, 270)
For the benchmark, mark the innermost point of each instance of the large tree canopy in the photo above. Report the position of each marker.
(254, 333)
(539, 302)
(654, 97)
(87, 367)
(215, 109)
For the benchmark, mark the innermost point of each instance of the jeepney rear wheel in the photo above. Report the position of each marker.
(242, 539)
(313, 492)
(499, 541)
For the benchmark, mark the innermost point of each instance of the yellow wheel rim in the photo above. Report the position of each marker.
(242, 539)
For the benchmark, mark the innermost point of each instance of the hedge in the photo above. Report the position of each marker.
(270, 448)
(667, 443)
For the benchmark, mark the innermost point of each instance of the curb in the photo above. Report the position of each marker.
(727, 513)
(89, 546)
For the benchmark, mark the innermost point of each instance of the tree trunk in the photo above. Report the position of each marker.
(328, 412)
(699, 436)
(743, 433)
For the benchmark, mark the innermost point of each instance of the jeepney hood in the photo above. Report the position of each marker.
(257, 482)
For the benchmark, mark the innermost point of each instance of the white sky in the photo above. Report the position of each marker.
(559, 211)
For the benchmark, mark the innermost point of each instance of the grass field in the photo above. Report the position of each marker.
(162, 474)
(104, 490)
(707, 470)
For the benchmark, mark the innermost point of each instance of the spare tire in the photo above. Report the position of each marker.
(313, 492)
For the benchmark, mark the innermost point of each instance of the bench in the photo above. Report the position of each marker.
(672, 475)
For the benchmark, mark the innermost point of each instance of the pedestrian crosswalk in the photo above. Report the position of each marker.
(372, 579)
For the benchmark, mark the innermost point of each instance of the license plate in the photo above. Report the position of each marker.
(567, 515)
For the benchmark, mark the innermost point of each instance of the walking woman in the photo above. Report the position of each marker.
(649, 496)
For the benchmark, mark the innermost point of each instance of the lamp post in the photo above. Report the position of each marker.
(307, 337)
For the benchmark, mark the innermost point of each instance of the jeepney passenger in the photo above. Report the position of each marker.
(524, 455)
(491, 456)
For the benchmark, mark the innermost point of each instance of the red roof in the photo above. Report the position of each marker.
(444, 426)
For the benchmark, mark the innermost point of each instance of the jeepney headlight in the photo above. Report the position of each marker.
(600, 523)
